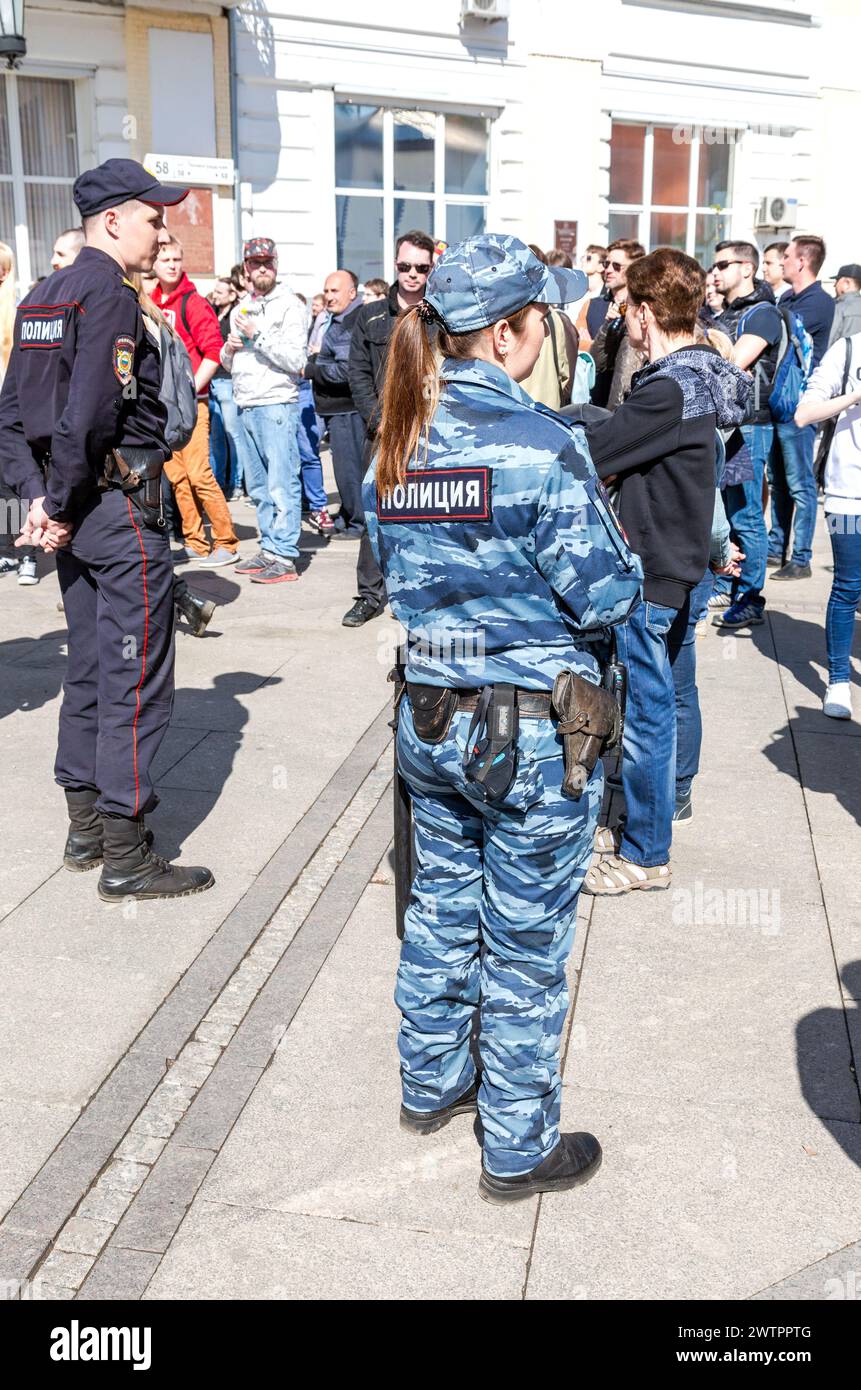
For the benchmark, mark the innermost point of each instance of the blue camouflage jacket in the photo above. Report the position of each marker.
(501, 554)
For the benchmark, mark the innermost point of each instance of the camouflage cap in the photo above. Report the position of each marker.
(486, 278)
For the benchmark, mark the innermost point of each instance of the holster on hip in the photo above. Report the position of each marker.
(590, 723)
(433, 708)
(138, 472)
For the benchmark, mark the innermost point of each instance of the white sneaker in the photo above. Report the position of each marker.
(27, 571)
(8, 565)
(838, 701)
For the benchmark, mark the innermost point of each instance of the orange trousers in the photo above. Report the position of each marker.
(196, 492)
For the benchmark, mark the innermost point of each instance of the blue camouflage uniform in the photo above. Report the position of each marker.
(504, 562)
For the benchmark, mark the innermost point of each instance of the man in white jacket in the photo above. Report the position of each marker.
(265, 354)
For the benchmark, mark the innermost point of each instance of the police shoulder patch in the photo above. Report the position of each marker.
(124, 358)
(439, 494)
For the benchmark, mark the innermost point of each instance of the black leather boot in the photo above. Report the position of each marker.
(429, 1121)
(196, 611)
(131, 870)
(84, 845)
(576, 1159)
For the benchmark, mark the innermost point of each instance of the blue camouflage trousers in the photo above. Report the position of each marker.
(490, 927)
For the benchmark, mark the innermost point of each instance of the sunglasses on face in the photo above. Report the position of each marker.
(404, 266)
(722, 265)
(617, 265)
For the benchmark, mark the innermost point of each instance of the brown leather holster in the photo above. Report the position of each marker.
(138, 472)
(590, 723)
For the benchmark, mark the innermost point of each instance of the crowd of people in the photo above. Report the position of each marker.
(573, 465)
(274, 378)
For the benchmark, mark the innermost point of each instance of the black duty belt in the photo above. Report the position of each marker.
(531, 704)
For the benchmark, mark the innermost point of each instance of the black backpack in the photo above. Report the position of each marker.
(178, 393)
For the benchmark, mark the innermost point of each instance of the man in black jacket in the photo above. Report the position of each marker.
(659, 446)
(368, 351)
(327, 370)
(753, 322)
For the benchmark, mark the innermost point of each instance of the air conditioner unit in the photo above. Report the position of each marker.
(777, 212)
(485, 9)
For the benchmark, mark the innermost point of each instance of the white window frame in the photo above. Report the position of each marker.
(438, 198)
(17, 178)
(692, 209)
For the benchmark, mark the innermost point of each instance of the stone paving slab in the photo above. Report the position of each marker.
(277, 1255)
(340, 1151)
(695, 1200)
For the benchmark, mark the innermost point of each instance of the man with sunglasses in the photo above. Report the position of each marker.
(265, 353)
(414, 256)
(751, 319)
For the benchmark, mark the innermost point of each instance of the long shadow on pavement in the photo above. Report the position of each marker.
(821, 1046)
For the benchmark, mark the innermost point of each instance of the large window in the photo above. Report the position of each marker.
(38, 165)
(669, 187)
(398, 170)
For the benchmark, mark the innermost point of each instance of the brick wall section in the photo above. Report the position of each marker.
(138, 24)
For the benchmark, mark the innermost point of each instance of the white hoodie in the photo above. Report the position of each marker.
(268, 370)
(843, 469)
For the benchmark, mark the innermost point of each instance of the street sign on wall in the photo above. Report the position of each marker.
(564, 237)
(192, 168)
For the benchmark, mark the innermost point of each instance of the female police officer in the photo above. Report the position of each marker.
(505, 565)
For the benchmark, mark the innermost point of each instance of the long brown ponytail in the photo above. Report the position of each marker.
(411, 388)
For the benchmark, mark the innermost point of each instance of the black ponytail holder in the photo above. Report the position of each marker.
(427, 313)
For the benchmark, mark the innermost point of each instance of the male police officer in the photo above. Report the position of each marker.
(82, 438)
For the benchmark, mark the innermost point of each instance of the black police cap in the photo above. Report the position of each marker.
(118, 180)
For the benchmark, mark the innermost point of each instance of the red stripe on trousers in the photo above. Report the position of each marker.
(143, 657)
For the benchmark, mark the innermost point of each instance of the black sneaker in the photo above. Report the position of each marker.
(429, 1121)
(792, 570)
(361, 612)
(684, 810)
(576, 1159)
(773, 562)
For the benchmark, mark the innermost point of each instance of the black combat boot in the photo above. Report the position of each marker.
(429, 1121)
(576, 1159)
(196, 611)
(131, 870)
(84, 846)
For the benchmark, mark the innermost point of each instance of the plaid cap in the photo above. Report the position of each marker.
(259, 246)
(485, 278)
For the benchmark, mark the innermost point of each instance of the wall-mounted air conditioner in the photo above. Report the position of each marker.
(485, 9)
(777, 212)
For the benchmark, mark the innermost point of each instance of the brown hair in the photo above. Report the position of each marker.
(537, 253)
(377, 286)
(812, 251)
(419, 239)
(411, 387)
(560, 258)
(672, 284)
(594, 250)
(632, 249)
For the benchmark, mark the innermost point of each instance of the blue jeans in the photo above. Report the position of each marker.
(793, 486)
(310, 430)
(743, 503)
(272, 475)
(689, 723)
(649, 643)
(845, 533)
(228, 442)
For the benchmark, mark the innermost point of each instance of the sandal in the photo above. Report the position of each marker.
(613, 875)
(608, 839)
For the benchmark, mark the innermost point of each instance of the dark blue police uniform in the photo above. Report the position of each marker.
(82, 426)
(83, 379)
